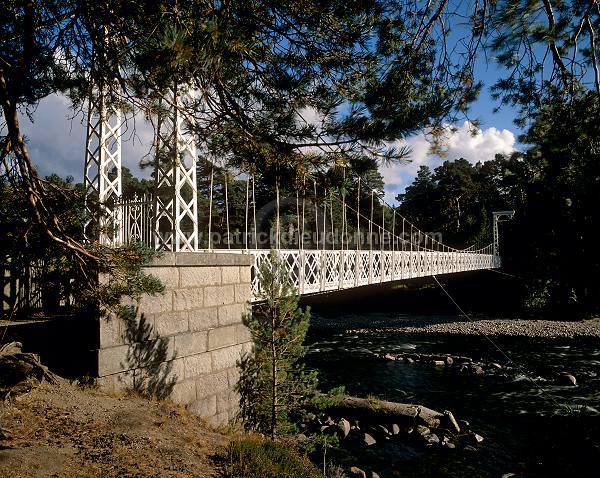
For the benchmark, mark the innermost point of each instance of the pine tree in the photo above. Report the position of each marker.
(273, 385)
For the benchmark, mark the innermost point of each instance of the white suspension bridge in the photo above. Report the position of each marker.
(168, 219)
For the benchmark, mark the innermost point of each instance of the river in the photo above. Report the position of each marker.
(532, 426)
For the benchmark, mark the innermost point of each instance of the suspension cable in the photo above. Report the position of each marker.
(316, 215)
(371, 223)
(331, 218)
(303, 207)
(358, 238)
(325, 219)
(298, 219)
(382, 238)
(225, 175)
(277, 232)
(254, 211)
(210, 205)
(247, 203)
(343, 207)
(393, 232)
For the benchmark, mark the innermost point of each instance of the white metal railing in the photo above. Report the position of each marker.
(319, 270)
(133, 220)
(313, 271)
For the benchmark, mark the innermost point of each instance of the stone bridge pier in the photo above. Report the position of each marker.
(185, 343)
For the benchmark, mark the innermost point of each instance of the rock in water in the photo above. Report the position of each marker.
(452, 424)
(477, 370)
(355, 471)
(344, 427)
(449, 360)
(567, 379)
(395, 429)
(369, 440)
(475, 438)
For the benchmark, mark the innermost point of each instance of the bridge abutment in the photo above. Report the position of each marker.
(185, 343)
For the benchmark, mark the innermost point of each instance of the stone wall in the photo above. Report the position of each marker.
(186, 342)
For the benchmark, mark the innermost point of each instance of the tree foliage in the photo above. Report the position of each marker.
(274, 80)
(59, 275)
(554, 188)
(549, 50)
(553, 240)
(458, 197)
(274, 385)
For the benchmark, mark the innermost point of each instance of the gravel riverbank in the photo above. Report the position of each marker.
(497, 327)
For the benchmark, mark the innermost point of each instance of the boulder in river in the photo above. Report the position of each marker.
(395, 429)
(356, 472)
(451, 422)
(566, 379)
(369, 440)
(344, 427)
(477, 370)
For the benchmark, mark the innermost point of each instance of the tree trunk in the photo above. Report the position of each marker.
(381, 410)
(273, 378)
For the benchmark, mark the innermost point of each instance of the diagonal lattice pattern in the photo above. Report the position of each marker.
(102, 171)
(176, 196)
(313, 271)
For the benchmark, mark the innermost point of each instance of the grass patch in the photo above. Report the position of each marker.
(255, 457)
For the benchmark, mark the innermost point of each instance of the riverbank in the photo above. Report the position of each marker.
(491, 327)
(64, 430)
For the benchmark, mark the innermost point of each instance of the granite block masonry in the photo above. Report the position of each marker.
(185, 343)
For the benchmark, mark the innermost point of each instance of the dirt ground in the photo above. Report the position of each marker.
(65, 431)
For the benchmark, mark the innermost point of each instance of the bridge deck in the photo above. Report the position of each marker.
(313, 271)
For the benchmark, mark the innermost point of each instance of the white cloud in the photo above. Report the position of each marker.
(483, 146)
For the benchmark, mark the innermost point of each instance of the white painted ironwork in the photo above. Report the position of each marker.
(499, 216)
(102, 172)
(134, 218)
(176, 196)
(327, 270)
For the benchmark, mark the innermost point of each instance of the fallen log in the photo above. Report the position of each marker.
(381, 410)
